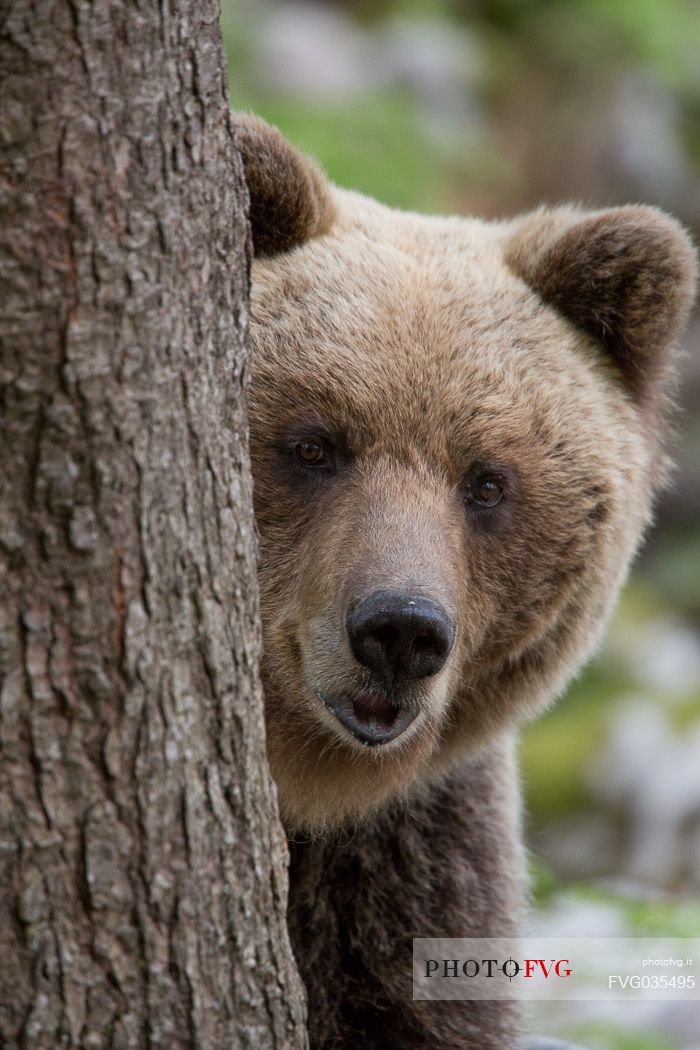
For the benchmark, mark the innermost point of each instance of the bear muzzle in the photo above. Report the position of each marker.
(402, 639)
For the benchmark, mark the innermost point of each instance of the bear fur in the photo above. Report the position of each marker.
(398, 361)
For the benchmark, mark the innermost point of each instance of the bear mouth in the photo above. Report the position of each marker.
(372, 719)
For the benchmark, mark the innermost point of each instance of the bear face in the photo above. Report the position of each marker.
(456, 436)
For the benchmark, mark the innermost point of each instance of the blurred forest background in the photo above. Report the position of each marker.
(489, 108)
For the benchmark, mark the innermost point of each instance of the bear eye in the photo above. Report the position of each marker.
(313, 453)
(486, 490)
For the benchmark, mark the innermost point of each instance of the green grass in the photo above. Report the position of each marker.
(643, 916)
(612, 1037)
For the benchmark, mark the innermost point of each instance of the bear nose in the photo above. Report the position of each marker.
(400, 636)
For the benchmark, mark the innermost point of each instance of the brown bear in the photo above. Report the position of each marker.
(457, 434)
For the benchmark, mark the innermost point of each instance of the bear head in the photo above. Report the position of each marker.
(456, 437)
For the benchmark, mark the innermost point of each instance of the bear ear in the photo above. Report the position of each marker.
(290, 197)
(626, 276)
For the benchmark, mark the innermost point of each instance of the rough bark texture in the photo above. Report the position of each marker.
(142, 881)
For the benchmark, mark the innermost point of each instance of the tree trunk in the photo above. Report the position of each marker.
(143, 868)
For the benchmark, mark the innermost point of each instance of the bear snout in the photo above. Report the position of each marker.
(400, 636)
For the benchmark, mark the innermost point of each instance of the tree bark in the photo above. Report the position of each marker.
(142, 865)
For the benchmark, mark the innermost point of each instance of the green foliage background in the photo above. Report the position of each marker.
(540, 62)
